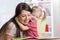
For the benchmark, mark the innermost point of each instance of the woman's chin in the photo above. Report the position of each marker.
(25, 23)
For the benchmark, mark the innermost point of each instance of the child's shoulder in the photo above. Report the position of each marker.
(32, 23)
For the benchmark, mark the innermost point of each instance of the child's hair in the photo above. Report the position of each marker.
(42, 10)
(33, 8)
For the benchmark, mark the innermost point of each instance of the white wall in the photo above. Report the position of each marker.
(7, 10)
(56, 15)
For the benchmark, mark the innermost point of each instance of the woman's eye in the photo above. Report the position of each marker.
(23, 16)
(28, 15)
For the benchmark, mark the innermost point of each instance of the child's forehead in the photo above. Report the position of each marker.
(37, 9)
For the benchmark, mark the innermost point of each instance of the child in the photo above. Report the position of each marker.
(32, 31)
(40, 15)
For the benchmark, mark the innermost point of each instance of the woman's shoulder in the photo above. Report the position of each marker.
(10, 22)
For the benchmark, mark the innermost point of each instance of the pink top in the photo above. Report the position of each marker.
(32, 32)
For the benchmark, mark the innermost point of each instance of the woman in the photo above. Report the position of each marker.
(21, 21)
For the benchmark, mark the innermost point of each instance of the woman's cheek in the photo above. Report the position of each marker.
(22, 20)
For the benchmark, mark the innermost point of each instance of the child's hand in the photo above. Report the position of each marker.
(22, 27)
(17, 20)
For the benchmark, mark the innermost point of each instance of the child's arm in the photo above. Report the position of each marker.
(21, 26)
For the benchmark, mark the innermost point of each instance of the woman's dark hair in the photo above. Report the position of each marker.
(20, 7)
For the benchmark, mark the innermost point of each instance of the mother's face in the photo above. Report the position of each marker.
(24, 17)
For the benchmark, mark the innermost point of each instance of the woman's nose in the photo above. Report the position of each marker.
(26, 17)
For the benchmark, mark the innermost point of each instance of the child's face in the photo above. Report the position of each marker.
(37, 12)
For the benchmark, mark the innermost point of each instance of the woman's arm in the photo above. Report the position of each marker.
(21, 26)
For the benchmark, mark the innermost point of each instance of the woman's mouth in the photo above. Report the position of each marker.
(26, 22)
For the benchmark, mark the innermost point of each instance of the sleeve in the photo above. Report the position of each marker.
(32, 24)
(11, 29)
